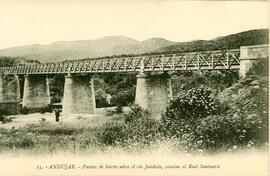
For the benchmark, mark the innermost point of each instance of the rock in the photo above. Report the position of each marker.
(255, 82)
(256, 87)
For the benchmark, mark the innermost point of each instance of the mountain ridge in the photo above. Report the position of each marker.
(122, 45)
(232, 41)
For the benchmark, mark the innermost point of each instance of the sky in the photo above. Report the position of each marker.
(24, 22)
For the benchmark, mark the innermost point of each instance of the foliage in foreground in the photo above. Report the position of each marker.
(197, 120)
(236, 117)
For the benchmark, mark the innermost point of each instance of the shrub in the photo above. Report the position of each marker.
(223, 133)
(57, 88)
(89, 138)
(40, 110)
(259, 68)
(111, 133)
(101, 98)
(24, 110)
(124, 98)
(17, 140)
(250, 96)
(5, 119)
(184, 111)
(119, 109)
(45, 109)
(194, 103)
(2, 115)
(238, 118)
(226, 132)
(140, 126)
(216, 79)
(23, 142)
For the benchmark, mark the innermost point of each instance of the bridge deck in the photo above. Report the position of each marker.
(227, 59)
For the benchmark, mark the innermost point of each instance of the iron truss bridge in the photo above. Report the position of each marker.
(207, 60)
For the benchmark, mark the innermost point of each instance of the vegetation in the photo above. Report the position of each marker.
(252, 37)
(215, 79)
(40, 110)
(239, 119)
(57, 88)
(186, 109)
(3, 116)
(217, 116)
(212, 111)
(6, 61)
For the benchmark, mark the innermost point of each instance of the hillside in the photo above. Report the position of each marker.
(69, 50)
(252, 37)
(119, 45)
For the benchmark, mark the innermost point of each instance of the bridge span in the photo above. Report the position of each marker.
(153, 89)
(227, 59)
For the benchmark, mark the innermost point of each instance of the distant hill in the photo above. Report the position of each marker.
(70, 50)
(252, 37)
(121, 45)
(155, 43)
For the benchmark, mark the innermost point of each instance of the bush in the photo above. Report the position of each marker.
(5, 119)
(259, 68)
(227, 132)
(237, 117)
(216, 79)
(40, 110)
(124, 98)
(2, 115)
(140, 126)
(57, 88)
(111, 133)
(18, 140)
(119, 109)
(24, 110)
(184, 111)
(250, 96)
(223, 133)
(194, 103)
(23, 142)
(89, 138)
(101, 98)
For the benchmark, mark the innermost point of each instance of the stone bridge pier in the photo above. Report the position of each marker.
(153, 92)
(79, 95)
(36, 93)
(10, 94)
(250, 55)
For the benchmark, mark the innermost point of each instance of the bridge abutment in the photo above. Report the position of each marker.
(36, 93)
(79, 95)
(250, 55)
(153, 92)
(10, 94)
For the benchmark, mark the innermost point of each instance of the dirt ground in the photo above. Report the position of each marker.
(77, 120)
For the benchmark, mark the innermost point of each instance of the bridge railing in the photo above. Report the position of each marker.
(226, 59)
